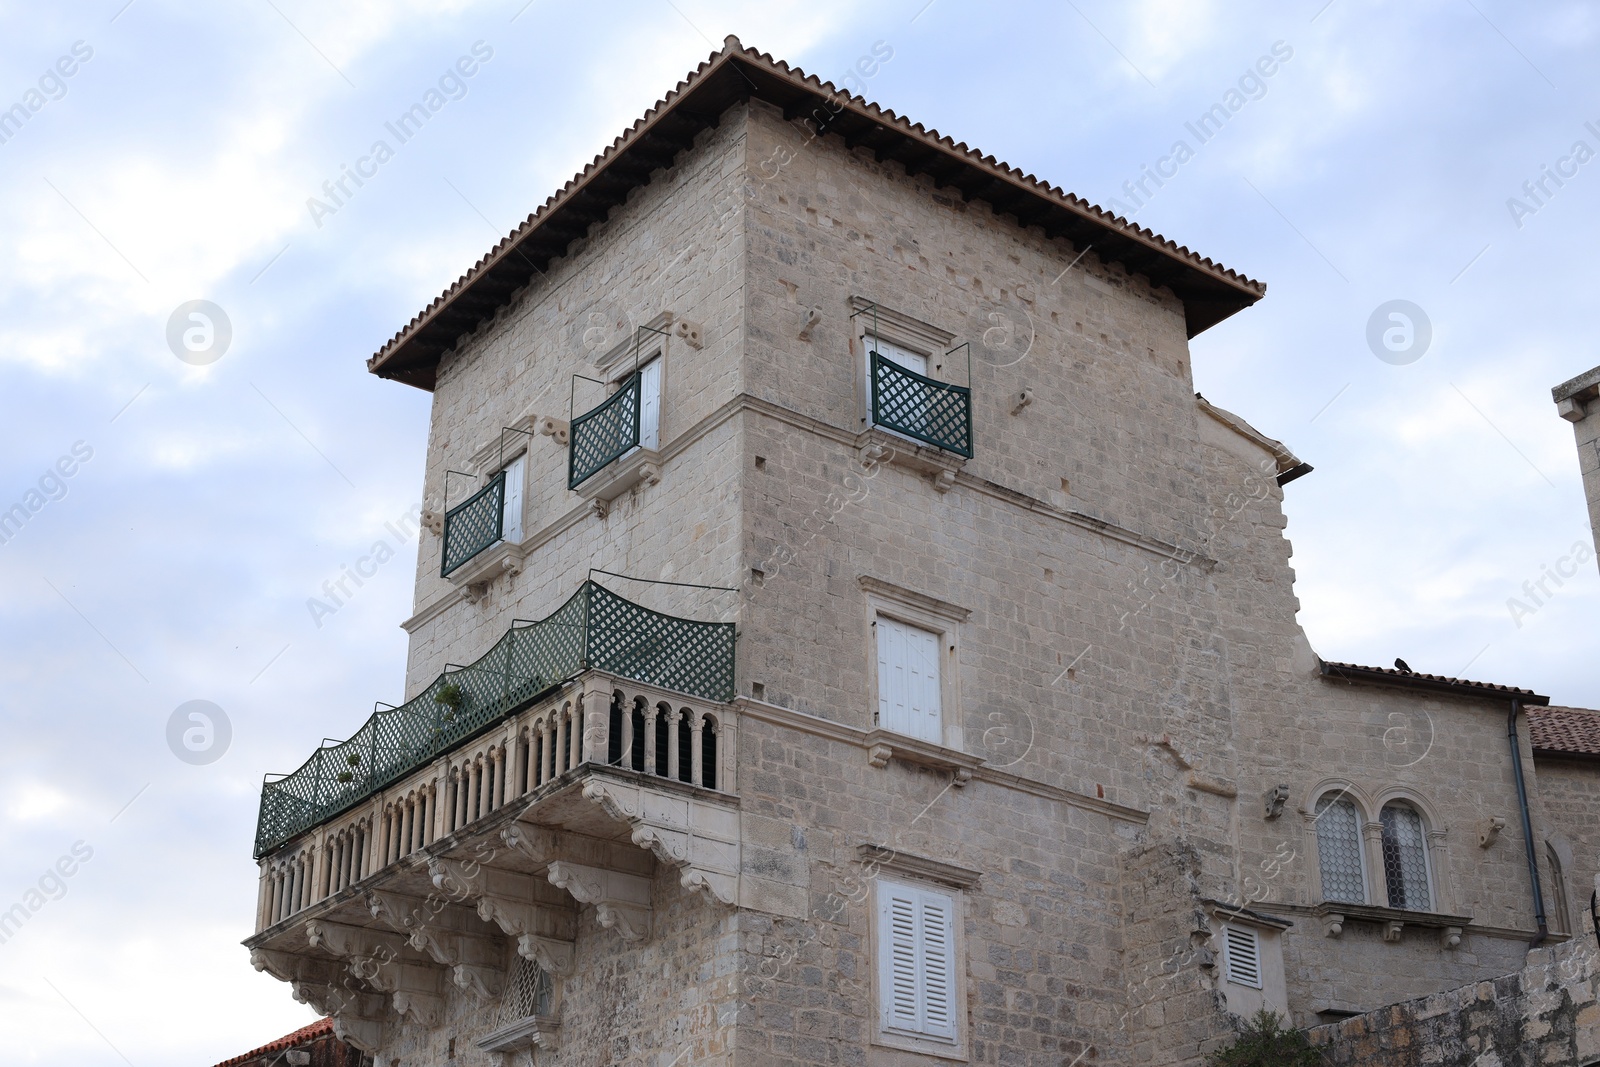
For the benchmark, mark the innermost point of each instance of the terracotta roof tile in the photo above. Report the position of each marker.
(305, 1035)
(1416, 679)
(1247, 288)
(1565, 731)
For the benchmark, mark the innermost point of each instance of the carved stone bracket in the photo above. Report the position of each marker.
(622, 901)
(535, 1032)
(883, 746)
(523, 906)
(698, 837)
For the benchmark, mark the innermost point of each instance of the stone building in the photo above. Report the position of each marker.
(1575, 402)
(845, 636)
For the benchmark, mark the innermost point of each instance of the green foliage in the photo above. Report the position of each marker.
(1266, 1042)
(449, 695)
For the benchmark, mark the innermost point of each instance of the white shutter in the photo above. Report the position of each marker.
(917, 961)
(1241, 949)
(650, 405)
(900, 972)
(938, 966)
(905, 357)
(511, 524)
(908, 680)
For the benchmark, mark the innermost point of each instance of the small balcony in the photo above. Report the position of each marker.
(534, 662)
(924, 409)
(473, 525)
(602, 434)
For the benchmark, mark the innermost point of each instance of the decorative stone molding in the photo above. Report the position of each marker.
(520, 905)
(1275, 799)
(535, 1032)
(475, 576)
(1335, 916)
(433, 522)
(638, 469)
(1489, 830)
(698, 837)
(689, 332)
(883, 746)
(621, 901)
(875, 445)
(882, 857)
(559, 430)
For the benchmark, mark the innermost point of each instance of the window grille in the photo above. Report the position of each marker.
(529, 992)
(1339, 850)
(1405, 857)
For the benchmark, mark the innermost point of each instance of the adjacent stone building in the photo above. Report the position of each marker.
(1576, 402)
(845, 636)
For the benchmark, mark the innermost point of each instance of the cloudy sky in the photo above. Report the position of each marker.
(180, 512)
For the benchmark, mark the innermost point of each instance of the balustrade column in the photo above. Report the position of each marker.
(275, 895)
(626, 753)
(561, 742)
(408, 825)
(475, 792)
(519, 764)
(574, 716)
(674, 757)
(652, 764)
(294, 886)
(697, 752)
(549, 760)
(497, 791)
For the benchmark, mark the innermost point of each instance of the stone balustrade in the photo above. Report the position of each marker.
(598, 719)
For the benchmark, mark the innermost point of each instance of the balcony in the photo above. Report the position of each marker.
(534, 662)
(924, 409)
(472, 869)
(604, 433)
(473, 525)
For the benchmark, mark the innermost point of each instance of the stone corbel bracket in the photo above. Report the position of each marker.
(375, 956)
(621, 901)
(698, 837)
(535, 1032)
(875, 446)
(884, 745)
(523, 906)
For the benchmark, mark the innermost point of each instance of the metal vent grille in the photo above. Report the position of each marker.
(529, 992)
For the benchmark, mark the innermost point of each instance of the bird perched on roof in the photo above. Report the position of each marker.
(1402, 665)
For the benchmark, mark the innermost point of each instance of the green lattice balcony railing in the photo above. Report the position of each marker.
(474, 524)
(922, 408)
(595, 629)
(602, 434)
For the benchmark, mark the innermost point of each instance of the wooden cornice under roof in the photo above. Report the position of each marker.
(1209, 291)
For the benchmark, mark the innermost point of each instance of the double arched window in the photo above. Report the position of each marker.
(1343, 857)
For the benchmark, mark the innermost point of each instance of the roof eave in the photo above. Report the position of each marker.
(1208, 291)
(1432, 684)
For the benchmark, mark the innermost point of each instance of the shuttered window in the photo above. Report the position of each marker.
(1241, 954)
(917, 961)
(908, 680)
(650, 405)
(511, 525)
(904, 356)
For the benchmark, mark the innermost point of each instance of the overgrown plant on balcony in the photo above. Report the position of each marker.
(451, 697)
(1266, 1042)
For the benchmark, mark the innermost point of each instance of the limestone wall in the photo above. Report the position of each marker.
(1544, 1014)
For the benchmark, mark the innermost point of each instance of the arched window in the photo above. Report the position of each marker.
(1405, 857)
(1339, 850)
(1560, 917)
